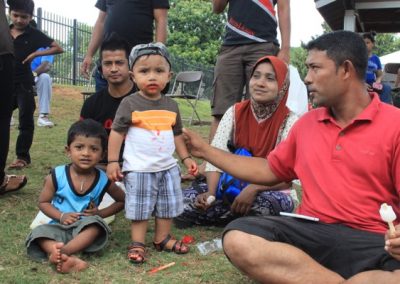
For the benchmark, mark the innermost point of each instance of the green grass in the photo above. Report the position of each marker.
(17, 210)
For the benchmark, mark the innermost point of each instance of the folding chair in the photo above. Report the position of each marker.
(390, 73)
(188, 85)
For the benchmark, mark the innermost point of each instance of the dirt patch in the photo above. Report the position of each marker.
(68, 91)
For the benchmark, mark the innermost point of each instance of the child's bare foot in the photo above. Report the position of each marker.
(71, 264)
(55, 254)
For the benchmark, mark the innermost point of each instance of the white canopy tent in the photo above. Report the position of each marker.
(393, 57)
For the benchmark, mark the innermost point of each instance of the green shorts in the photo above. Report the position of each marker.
(64, 234)
(232, 73)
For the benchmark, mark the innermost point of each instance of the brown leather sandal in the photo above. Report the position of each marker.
(12, 183)
(18, 164)
(137, 252)
(178, 247)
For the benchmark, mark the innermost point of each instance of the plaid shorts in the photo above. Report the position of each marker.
(158, 194)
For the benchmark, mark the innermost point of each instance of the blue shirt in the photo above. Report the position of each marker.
(374, 64)
(38, 60)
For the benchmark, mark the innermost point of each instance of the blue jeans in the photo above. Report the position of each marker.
(43, 87)
(386, 94)
(100, 82)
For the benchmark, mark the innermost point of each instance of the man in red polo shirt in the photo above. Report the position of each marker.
(347, 155)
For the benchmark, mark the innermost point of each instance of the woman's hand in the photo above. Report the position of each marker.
(201, 201)
(244, 201)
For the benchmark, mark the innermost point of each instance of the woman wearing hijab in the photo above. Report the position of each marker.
(258, 125)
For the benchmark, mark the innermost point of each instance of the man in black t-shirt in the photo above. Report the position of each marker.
(102, 106)
(27, 41)
(130, 19)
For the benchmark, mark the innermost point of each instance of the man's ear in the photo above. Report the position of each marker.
(171, 74)
(348, 68)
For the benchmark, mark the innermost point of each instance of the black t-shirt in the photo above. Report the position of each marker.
(102, 107)
(24, 44)
(251, 22)
(131, 19)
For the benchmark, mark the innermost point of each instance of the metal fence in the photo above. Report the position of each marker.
(74, 37)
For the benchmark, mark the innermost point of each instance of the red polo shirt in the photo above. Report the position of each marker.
(346, 173)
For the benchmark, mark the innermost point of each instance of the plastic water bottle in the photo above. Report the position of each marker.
(210, 246)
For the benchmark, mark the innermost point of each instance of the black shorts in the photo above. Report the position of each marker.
(340, 248)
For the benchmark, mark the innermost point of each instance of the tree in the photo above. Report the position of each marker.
(195, 33)
(386, 43)
(298, 57)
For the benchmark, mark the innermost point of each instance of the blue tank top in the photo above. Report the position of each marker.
(68, 199)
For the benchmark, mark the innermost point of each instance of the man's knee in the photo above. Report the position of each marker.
(45, 78)
(235, 243)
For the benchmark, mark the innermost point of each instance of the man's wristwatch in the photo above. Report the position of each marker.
(34, 74)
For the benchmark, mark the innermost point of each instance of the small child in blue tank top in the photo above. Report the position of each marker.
(70, 198)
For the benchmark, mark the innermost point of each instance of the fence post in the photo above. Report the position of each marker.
(39, 18)
(75, 52)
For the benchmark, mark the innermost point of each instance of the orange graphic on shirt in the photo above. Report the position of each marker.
(155, 120)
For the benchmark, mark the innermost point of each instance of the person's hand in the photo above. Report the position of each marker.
(91, 212)
(201, 201)
(195, 144)
(368, 87)
(29, 58)
(191, 166)
(244, 201)
(114, 172)
(284, 54)
(69, 218)
(85, 67)
(392, 243)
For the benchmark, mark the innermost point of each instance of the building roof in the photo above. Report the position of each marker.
(361, 15)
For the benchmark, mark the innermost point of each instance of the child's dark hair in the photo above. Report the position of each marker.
(26, 6)
(88, 128)
(371, 36)
(115, 42)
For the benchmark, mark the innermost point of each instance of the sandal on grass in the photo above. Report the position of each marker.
(178, 247)
(12, 183)
(137, 252)
(18, 164)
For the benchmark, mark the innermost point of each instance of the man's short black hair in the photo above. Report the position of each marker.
(26, 6)
(115, 42)
(88, 128)
(341, 46)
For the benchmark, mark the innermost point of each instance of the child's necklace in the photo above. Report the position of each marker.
(82, 181)
(82, 184)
